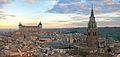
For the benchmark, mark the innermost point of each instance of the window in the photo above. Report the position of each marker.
(88, 33)
(94, 33)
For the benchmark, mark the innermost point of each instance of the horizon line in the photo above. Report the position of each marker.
(68, 27)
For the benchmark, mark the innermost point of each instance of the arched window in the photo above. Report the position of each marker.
(94, 33)
(88, 33)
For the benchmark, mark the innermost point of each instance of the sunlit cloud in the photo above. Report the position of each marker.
(75, 6)
(58, 13)
(5, 16)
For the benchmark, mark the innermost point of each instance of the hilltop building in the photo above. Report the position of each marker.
(31, 29)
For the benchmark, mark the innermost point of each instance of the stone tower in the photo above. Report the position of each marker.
(40, 28)
(20, 26)
(92, 40)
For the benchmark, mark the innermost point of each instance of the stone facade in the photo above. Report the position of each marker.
(30, 29)
(92, 40)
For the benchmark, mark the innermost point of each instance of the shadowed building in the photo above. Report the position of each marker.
(92, 40)
(32, 29)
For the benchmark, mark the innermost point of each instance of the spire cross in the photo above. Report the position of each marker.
(92, 11)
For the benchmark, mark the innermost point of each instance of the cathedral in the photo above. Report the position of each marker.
(31, 29)
(92, 40)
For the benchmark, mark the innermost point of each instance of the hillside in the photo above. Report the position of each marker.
(102, 31)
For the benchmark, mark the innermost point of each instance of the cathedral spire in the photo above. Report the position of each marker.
(92, 40)
(92, 12)
(20, 24)
(40, 23)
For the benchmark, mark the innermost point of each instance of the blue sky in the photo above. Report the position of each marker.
(59, 13)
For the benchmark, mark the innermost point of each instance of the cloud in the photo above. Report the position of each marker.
(78, 6)
(4, 16)
(63, 21)
(117, 12)
(79, 18)
(79, 24)
(109, 23)
(67, 6)
(3, 12)
(29, 1)
(102, 20)
(2, 2)
(107, 12)
(110, 18)
(98, 18)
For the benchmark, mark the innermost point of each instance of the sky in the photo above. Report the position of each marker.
(58, 13)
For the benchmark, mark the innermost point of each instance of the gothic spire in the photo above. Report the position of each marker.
(40, 23)
(20, 24)
(92, 12)
(92, 40)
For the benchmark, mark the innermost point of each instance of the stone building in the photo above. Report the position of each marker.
(93, 44)
(30, 29)
(92, 40)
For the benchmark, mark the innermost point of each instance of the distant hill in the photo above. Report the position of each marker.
(102, 31)
(110, 31)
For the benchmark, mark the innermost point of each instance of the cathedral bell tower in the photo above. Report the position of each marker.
(92, 40)
(20, 26)
(40, 28)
